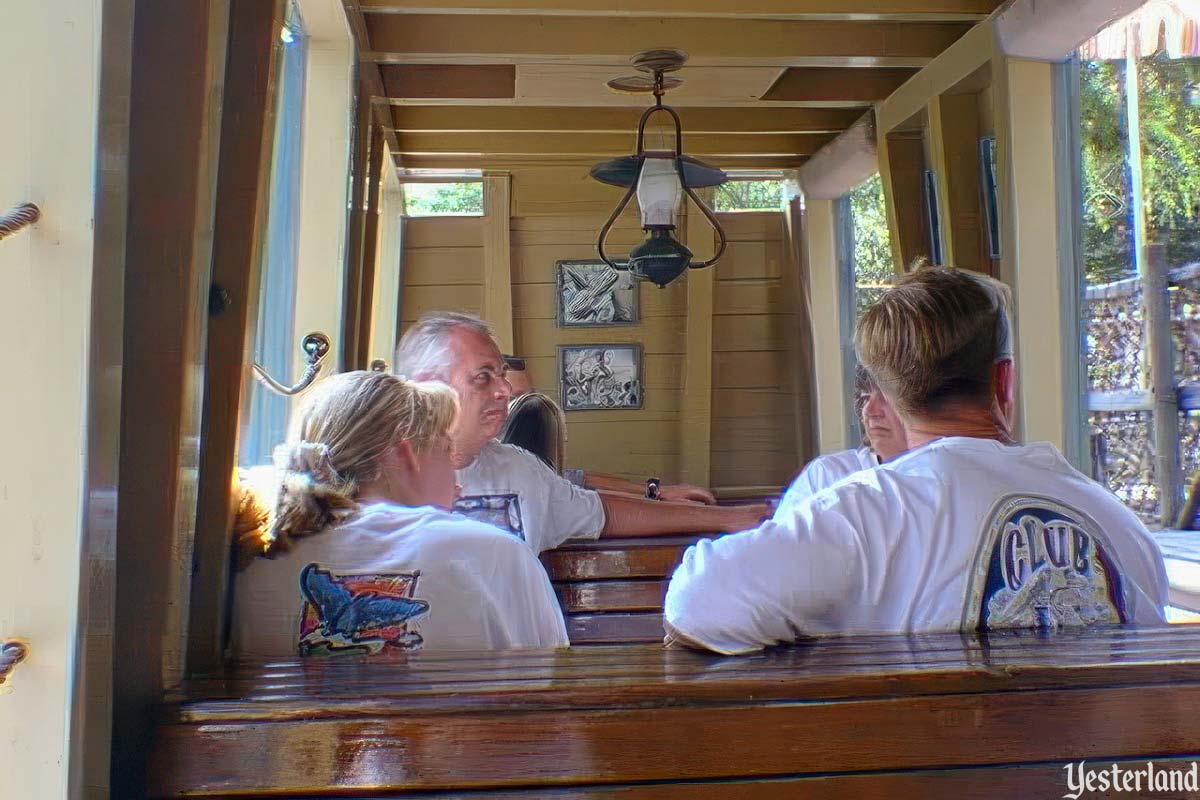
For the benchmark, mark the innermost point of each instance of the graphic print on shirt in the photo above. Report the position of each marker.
(1042, 565)
(363, 614)
(500, 510)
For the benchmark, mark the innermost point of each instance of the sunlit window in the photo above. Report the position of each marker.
(460, 199)
(1139, 132)
(274, 343)
(750, 195)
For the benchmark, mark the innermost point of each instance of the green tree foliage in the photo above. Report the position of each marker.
(1170, 159)
(432, 199)
(749, 196)
(873, 268)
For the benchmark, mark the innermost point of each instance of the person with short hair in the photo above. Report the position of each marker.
(965, 531)
(364, 555)
(883, 440)
(512, 488)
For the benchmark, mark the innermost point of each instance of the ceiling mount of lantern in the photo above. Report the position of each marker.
(659, 178)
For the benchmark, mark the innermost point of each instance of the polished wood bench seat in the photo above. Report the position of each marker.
(867, 717)
(612, 590)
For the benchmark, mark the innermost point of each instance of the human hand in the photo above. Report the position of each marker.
(686, 493)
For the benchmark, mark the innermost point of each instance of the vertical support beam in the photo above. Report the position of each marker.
(821, 261)
(1025, 134)
(958, 180)
(695, 439)
(370, 253)
(497, 257)
(904, 197)
(796, 285)
(935, 157)
(175, 117)
(243, 183)
(356, 227)
(1168, 472)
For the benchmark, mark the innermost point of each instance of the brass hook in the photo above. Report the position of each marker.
(315, 346)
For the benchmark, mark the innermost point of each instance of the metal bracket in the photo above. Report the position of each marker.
(315, 346)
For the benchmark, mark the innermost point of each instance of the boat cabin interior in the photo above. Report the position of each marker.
(671, 213)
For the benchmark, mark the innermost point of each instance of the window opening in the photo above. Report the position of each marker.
(444, 199)
(274, 341)
(749, 194)
(1140, 230)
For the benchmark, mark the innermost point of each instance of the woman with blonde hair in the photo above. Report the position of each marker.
(363, 554)
(967, 530)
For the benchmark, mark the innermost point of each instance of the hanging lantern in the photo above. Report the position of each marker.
(660, 179)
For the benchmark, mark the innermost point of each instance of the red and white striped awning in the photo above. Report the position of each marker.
(1160, 26)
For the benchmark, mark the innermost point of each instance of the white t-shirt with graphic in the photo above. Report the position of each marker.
(514, 490)
(960, 534)
(397, 578)
(824, 471)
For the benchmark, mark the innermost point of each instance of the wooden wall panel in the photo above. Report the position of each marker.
(556, 213)
(754, 423)
(443, 267)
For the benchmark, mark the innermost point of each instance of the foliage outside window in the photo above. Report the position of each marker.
(873, 267)
(443, 199)
(1163, 120)
(738, 195)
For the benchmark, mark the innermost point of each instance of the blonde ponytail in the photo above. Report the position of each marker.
(338, 435)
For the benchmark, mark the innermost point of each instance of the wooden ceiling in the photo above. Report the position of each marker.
(466, 83)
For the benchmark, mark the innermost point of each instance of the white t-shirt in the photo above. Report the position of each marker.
(397, 578)
(960, 534)
(824, 471)
(514, 490)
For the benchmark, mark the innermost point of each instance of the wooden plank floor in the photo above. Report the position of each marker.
(910, 716)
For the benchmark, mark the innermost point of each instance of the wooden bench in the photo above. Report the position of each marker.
(612, 590)
(886, 717)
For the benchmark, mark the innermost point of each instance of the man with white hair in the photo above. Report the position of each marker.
(510, 487)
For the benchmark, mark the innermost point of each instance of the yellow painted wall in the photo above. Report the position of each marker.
(556, 214)
(754, 393)
(45, 314)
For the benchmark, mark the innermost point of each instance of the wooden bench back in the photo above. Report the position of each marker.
(612, 590)
(894, 717)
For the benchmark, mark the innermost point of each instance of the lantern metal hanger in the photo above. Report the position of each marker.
(659, 178)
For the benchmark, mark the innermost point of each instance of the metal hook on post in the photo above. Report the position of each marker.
(12, 652)
(315, 346)
(18, 218)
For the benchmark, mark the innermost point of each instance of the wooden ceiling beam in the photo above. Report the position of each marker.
(452, 81)
(368, 70)
(837, 83)
(443, 161)
(513, 119)
(607, 145)
(512, 39)
(897, 10)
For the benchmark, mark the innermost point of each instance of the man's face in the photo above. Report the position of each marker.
(478, 375)
(883, 426)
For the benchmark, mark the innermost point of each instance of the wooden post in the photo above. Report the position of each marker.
(936, 158)
(497, 258)
(355, 228)
(243, 184)
(800, 343)
(175, 117)
(370, 253)
(695, 435)
(1161, 351)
